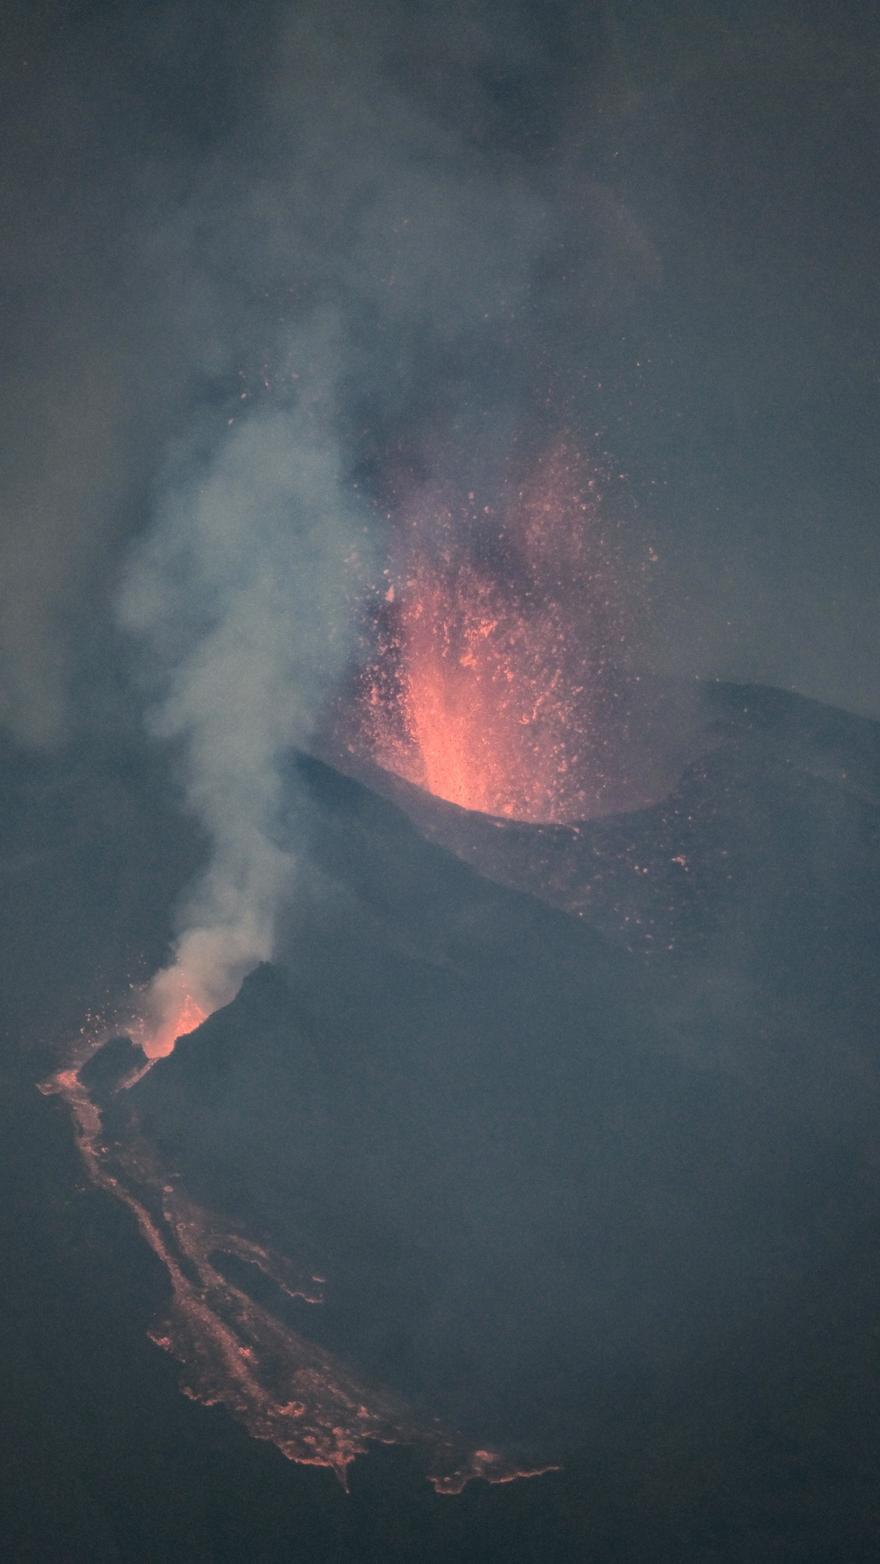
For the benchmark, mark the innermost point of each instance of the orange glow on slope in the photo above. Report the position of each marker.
(493, 647)
(159, 1041)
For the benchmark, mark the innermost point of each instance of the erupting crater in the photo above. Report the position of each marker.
(493, 647)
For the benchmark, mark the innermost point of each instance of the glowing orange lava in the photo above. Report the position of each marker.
(232, 1349)
(158, 1039)
(493, 647)
(188, 1017)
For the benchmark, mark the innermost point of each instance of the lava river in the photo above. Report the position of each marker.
(232, 1350)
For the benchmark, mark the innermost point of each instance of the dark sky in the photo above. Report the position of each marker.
(420, 234)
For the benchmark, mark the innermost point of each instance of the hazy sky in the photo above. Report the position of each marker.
(652, 226)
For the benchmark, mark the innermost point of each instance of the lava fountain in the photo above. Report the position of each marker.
(494, 644)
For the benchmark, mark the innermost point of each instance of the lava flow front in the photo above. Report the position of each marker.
(493, 647)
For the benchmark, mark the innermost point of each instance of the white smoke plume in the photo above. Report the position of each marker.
(239, 596)
(397, 252)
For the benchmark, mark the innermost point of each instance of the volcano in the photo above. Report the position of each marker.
(528, 1129)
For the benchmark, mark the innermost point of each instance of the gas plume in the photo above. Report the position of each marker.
(365, 205)
(238, 599)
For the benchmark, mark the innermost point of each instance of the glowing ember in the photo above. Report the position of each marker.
(493, 647)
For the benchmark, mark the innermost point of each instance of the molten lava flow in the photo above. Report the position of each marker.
(233, 1350)
(493, 648)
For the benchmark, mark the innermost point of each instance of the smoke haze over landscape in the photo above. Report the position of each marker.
(466, 227)
(438, 571)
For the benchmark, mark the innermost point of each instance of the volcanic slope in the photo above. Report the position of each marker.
(549, 1178)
